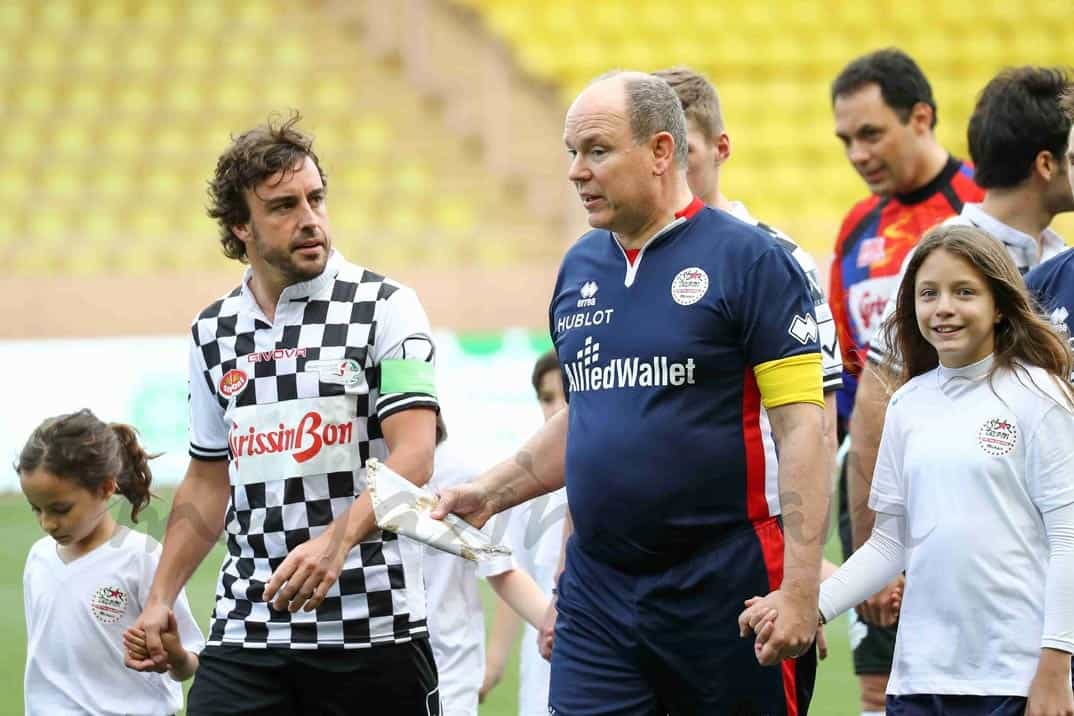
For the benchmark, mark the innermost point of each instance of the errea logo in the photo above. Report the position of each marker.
(588, 291)
(803, 330)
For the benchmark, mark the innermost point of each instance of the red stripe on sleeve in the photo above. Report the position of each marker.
(756, 504)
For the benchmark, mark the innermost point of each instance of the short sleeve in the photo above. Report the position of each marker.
(1050, 461)
(775, 310)
(189, 631)
(888, 493)
(207, 429)
(27, 593)
(403, 353)
(880, 351)
(827, 335)
(496, 565)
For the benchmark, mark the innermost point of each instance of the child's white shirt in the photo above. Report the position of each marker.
(76, 614)
(534, 532)
(455, 615)
(972, 466)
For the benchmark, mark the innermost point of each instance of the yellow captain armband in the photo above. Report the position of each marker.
(797, 379)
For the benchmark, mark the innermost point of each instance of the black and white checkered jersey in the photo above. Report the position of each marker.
(296, 405)
(831, 357)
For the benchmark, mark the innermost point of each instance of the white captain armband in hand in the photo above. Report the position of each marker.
(402, 507)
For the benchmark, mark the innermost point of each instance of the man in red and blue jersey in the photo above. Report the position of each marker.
(885, 116)
(674, 324)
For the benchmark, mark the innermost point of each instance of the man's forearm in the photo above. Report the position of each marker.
(804, 494)
(194, 524)
(536, 469)
(866, 426)
(411, 459)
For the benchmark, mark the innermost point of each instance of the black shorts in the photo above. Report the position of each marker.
(873, 646)
(389, 679)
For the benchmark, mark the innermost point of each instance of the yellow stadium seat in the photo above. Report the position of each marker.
(36, 99)
(22, 139)
(57, 16)
(108, 14)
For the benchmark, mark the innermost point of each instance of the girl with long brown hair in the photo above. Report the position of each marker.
(974, 493)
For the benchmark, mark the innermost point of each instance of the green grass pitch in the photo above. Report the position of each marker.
(836, 693)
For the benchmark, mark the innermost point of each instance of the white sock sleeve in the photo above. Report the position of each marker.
(868, 570)
(1059, 589)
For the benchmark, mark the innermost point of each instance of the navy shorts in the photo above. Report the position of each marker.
(946, 705)
(666, 642)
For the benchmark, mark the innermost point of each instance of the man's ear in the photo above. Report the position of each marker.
(241, 232)
(921, 118)
(723, 148)
(662, 146)
(1046, 165)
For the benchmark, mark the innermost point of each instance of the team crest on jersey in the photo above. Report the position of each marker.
(346, 371)
(689, 286)
(233, 382)
(108, 604)
(997, 436)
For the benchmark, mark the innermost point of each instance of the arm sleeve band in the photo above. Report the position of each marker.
(407, 376)
(796, 379)
(868, 570)
(1059, 588)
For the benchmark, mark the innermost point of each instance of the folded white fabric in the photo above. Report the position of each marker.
(402, 507)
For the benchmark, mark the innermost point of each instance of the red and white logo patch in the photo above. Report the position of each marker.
(997, 436)
(233, 382)
(689, 286)
(108, 604)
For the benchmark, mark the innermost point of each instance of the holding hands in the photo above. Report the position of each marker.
(785, 626)
(178, 662)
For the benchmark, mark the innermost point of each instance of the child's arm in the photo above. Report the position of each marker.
(505, 628)
(877, 563)
(1050, 690)
(182, 663)
(522, 594)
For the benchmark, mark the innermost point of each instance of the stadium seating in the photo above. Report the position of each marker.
(772, 62)
(117, 109)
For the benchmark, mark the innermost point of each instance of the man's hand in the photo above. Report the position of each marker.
(1050, 692)
(152, 622)
(785, 626)
(546, 635)
(882, 609)
(470, 501)
(308, 572)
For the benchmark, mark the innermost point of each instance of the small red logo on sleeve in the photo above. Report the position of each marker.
(233, 382)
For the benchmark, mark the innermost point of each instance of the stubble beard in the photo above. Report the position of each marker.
(283, 260)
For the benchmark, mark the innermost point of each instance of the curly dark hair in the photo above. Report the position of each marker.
(253, 157)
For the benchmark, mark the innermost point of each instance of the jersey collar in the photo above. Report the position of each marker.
(1026, 251)
(938, 182)
(953, 381)
(681, 217)
(297, 291)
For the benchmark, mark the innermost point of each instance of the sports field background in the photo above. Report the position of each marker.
(836, 685)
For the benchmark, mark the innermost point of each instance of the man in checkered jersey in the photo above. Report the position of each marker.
(298, 376)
